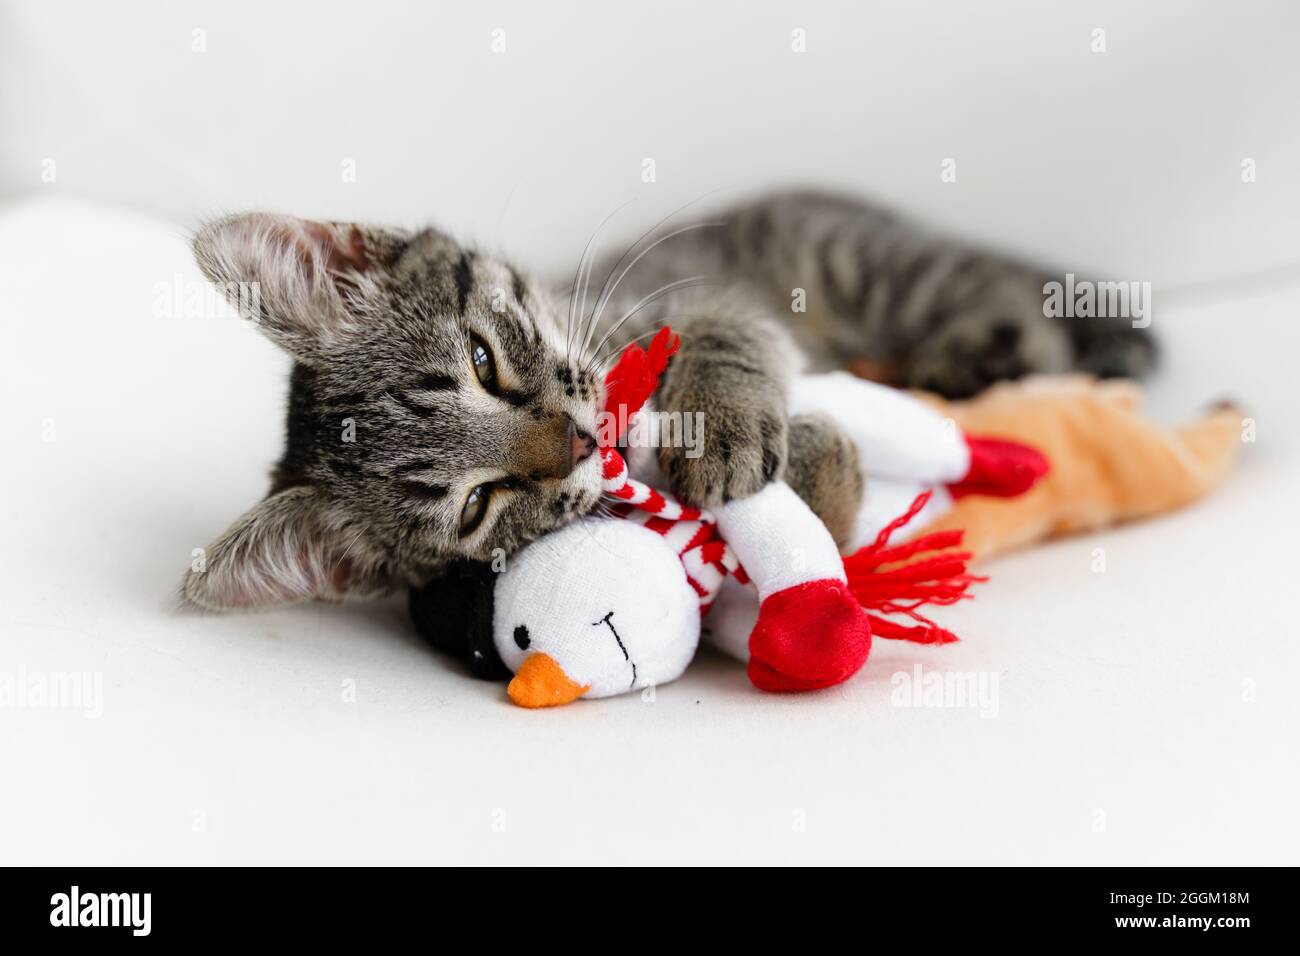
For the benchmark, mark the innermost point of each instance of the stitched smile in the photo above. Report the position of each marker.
(610, 624)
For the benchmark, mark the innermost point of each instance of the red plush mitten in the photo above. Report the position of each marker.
(808, 636)
(818, 612)
(1000, 468)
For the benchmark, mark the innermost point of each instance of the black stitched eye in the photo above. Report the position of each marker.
(485, 365)
(471, 516)
(521, 637)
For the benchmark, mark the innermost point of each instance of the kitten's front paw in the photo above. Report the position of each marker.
(742, 449)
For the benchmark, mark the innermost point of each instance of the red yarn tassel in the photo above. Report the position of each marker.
(938, 580)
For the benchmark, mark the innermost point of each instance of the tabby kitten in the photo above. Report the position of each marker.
(434, 411)
(472, 392)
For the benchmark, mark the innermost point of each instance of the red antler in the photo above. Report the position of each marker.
(635, 376)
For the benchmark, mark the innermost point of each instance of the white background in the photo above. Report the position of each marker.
(1145, 714)
(1125, 162)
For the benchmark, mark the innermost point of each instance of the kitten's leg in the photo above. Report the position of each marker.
(734, 369)
(823, 469)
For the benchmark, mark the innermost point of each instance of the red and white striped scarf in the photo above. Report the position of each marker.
(691, 532)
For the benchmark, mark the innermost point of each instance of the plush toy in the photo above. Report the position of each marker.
(1109, 464)
(607, 605)
(610, 604)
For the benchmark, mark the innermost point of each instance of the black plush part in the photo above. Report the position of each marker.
(453, 612)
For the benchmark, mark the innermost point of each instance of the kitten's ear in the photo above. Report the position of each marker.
(453, 612)
(294, 277)
(286, 548)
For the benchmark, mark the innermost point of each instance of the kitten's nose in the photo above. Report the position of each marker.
(553, 448)
(581, 445)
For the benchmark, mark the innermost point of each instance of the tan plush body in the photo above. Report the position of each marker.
(1110, 463)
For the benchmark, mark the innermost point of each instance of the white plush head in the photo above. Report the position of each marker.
(598, 608)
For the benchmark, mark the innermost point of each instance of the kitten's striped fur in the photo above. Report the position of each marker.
(382, 324)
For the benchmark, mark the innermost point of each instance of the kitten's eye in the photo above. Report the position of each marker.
(471, 516)
(485, 366)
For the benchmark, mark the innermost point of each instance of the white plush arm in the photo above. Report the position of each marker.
(897, 436)
(780, 543)
(778, 540)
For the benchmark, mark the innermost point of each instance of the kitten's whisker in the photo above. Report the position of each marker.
(504, 206)
(571, 318)
(649, 232)
(640, 239)
(614, 350)
(345, 555)
(686, 283)
(582, 307)
(605, 513)
(599, 359)
(586, 259)
(605, 295)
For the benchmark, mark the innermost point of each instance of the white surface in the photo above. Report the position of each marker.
(1120, 693)
(1125, 163)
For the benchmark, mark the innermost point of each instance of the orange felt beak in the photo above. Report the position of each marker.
(541, 682)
